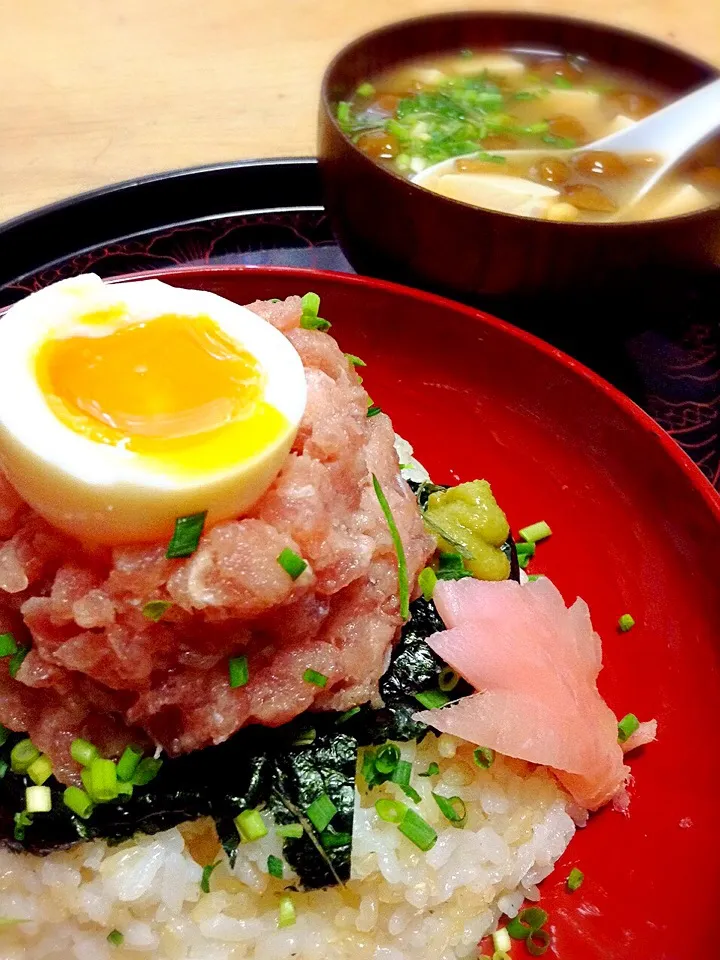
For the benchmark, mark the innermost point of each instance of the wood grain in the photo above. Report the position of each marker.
(95, 91)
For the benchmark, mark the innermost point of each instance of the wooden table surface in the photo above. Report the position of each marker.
(95, 91)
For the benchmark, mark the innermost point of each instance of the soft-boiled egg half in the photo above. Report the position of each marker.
(124, 406)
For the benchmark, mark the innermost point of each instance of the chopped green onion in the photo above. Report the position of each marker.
(343, 113)
(22, 755)
(115, 938)
(286, 916)
(275, 867)
(331, 841)
(525, 549)
(16, 660)
(451, 566)
(4, 734)
(484, 757)
(501, 940)
(7, 645)
(448, 679)
(523, 560)
(536, 531)
(575, 879)
(87, 783)
(128, 763)
(103, 780)
(83, 752)
(533, 577)
(562, 143)
(537, 943)
(206, 874)
(317, 679)
(250, 825)
(292, 563)
(427, 581)
(309, 319)
(355, 361)
(238, 671)
(526, 95)
(38, 799)
(391, 811)
(365, 90)
(154, 609)
(124, 789)
(289, 831)
(403, 586)
(526, 922)
(40, 770)
(387, 758)
(4, 767)
(78, 801)
(401, 776)
(353, 711)
(627, 727)
(418, 831)
(21, 820)
(562, 82)
(626, 622)
(432, 771)
(146, 771)
(500, 955)
(305, 737)
(452, 808)
(185, 539)
(373, 410)
(432, 699)
(321, 811)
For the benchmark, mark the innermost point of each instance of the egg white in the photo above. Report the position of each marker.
(107, 494)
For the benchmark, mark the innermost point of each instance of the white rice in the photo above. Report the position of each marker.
(401, 904)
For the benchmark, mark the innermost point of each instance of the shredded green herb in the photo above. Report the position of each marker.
(526, 922)
(575, 879)
(432, 771)
(292, 563)
(403, 585)
(16, 660)
(275, 867)
(309, 319)
(355, 361)
(432, 699)
(317, 679)
(417, 830)
(185, 539)
(427, 581)
(115, 938)
(206, 874)
(8, 646)
(321, 811)
(452, 808)
(484, 757)
(238, 671)
(373, 410)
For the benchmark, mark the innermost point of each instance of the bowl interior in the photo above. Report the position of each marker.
(634, 530)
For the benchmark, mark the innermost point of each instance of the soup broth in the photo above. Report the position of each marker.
(486, 108)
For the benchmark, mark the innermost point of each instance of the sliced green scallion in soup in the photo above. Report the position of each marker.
(484, 108)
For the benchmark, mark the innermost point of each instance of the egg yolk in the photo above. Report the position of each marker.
(175, 390)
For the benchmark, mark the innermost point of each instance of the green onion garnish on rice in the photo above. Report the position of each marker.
(289, 831)
(22, 755)
(432, 771)
(526, 922)
(292, 563)
(331, 841)
(452, 808)
(250, 825)
(627, 727)
(38, 799)
(387, 758)
(128, 763)
(155, 609)
(83, 752)
(185, 538)
(286, 914)
(391, 811)
(321, 811)
(418, 831)
(309, 319)
(626, 622)
(535, 531)
(238, 671)
(403, 585)
(448, 679)
(40, 770)
(103, 780)
(575, 879)
(21, 820)
(484, 757)
(275, 867)
(427, 581)
(115, 938)
(16, 660)
(206, 874)
(432, 699)
(401, 776)
(146, 771)
(78, 801)
(537, 943)
(317, 679)
(8, 646)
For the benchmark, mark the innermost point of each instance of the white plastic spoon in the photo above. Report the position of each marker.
(669, 133)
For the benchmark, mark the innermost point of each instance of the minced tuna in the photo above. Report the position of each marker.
(100, 668)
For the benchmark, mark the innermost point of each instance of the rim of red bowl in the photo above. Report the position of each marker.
(696, 477)
(328, 102)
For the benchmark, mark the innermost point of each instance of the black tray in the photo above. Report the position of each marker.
(270, 212)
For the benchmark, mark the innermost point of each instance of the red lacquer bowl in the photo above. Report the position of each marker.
(635, 530)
